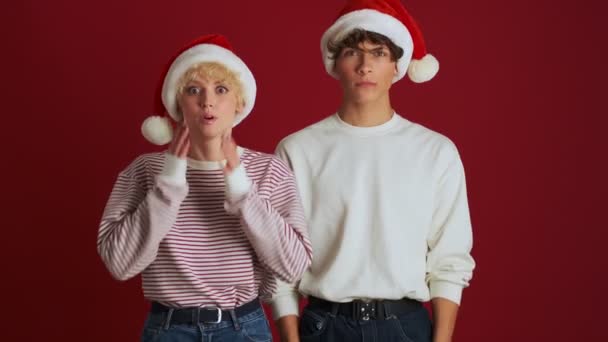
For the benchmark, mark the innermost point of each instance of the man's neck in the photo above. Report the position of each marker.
(366, 114)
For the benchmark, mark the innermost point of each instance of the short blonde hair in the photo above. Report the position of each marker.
(216, 72)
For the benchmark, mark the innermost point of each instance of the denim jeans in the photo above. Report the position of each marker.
(321, 326)
(250, 327)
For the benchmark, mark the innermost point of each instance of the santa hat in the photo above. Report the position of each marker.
(391, 19)
(208, 48)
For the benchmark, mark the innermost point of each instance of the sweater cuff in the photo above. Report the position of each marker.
(237, 184)
(174, 170)
(447, 290)
(285, 305)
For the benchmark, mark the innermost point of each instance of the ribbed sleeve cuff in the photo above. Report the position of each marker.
(237, 184)
(447, 290)
(285, 305)
(174, 170)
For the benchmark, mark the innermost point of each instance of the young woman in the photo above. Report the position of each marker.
(208, 224)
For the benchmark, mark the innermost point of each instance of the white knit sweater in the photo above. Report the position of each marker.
(387, 212)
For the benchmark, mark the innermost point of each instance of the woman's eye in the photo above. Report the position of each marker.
(192, 90)
(222, 90)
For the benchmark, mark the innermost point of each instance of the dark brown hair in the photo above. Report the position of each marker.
(357, 36)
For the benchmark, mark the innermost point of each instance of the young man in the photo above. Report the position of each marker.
(209, 225)
(385, 197)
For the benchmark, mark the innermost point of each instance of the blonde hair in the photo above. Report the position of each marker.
(216, 72)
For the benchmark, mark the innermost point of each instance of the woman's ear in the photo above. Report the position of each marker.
(239, 107)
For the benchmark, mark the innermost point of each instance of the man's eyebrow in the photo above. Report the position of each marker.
(379, 48)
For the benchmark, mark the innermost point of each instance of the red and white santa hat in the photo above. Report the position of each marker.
(391, 19)
(207, 48)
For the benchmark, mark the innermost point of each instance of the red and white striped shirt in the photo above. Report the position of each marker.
(196, 241)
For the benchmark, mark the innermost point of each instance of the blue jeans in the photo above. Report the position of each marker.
(251, 327)
(322, 326)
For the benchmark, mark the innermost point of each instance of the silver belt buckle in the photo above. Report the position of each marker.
(207, 307)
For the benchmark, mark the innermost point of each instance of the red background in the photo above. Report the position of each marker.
(518, 91)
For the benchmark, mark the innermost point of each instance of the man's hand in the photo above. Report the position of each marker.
(288, 328)
(444, 319)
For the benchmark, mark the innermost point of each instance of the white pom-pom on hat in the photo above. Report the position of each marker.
(422, 70)
(157, 130)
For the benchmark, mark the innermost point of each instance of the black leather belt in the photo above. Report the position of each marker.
(366, 310)
(203, 314)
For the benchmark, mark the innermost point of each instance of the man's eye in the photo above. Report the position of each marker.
(380, 53)
(192, 90)
(349, 53)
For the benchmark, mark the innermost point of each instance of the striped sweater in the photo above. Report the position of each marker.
(201, 238)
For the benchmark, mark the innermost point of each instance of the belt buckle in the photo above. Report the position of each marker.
(367, 310)
(208, 307)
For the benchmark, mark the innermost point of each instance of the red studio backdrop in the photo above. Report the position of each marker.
(519, 92)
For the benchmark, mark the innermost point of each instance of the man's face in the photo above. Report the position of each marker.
(366, 73)
(209, 108)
